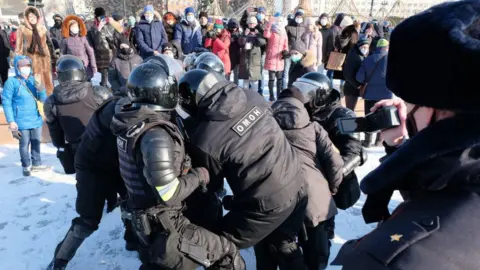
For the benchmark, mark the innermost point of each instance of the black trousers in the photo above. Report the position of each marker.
(272, 75)
(316, 250)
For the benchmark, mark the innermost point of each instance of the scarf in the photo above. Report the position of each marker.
(36, 42)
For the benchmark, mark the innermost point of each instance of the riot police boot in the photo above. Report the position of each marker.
(131, 241)
(66, 249)
(369, 140)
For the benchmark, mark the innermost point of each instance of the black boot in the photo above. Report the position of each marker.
(270, 89)
(279, 87)
(369, 140)
(131, 242)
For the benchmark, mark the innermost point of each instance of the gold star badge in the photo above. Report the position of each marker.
(395, 237)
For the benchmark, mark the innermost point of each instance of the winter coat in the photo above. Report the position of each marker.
(346, 42)
(120, 69)
(40, 64)
(295, 33)
(188, 35)
(150, 37)
(204, 30)
(4, 51)
(221, 48)
(314, 43)
(248, 158)
(261, 27)
(69, 108)
(105, 42)
(438, 167)
(326, 35)
(277, 43)
(377, 86)
(13, 39)
(234, 50)
(169, 30)
(301, 68)
(56, 33)
(78, 45)
(132, 39)
(250, 60)
(18, 100)
(321, 164)
(353, 62)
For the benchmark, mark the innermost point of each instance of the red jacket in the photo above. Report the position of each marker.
(221, 48)
(13, 39)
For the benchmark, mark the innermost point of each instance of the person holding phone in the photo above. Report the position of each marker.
(20, 96)
(437, 168)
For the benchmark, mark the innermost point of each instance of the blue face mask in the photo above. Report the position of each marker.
(190, 18)
(296, 58)
(260, 17)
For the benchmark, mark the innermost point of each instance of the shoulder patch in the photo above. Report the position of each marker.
(247, 121)
(122, 144)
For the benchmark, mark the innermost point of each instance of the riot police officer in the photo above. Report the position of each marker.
(158, 178)
(237, 138)
(209, 62)
(70, 107)
(325, 108)
(98, 179)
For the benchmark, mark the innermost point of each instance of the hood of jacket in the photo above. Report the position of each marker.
(129, 116)
(71, 92)
(16, 59)
(35, 11)
(290, 113)
(224, 101)
(66, 26)
(339, 19)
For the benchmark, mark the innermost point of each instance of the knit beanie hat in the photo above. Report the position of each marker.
(99, 11)
(203, 14)
(189, 10)
(299, 13)
(382, 43)
(117, 17)
(347, 21)
(218, 24)
(148, 8)
(123, 40)
(452, 27)
(299, 46)
(262, 10)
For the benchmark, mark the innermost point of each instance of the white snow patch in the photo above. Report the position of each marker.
(37, 211)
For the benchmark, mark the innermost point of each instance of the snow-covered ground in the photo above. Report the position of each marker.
(36, 212)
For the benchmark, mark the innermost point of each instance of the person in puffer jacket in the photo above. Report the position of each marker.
(75, 43)
(277, 50)
(322, 167)
(19, 96)
(220, 43)
(313, 41)
(122, 66)
(188, 33)
(150, 33)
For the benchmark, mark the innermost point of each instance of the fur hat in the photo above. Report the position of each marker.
(446, 76)
(69, 20)
(99, 11)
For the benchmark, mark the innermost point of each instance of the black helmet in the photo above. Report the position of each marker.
(151, 84)
(173, 66)
(70, 68)
(315, 88)
(209, 62)
(194, 85)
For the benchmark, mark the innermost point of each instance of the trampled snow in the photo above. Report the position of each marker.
(36, 212)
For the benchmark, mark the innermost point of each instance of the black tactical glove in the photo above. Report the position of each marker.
(16, 134)
(211, 34)
(202, 174)
(285, 54)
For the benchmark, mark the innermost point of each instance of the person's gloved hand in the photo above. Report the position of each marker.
(202, 174)
(16, 134)
(285, 54)
(211, 34)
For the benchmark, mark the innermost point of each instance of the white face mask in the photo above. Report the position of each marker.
(25, 71)
(364, 51)
(323, 21)
(299, 20)
(190, 18)
(149, 18)
(74, 30)
(169, 54)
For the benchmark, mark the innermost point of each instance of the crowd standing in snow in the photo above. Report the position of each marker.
(168, 124)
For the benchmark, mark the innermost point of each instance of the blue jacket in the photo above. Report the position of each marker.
(189, 36)
(377, 86)
(18, 103)
(150, 37)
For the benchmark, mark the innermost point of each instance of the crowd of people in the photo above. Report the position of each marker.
(168, 124)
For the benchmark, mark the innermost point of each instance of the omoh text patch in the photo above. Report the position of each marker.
(247, 121)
